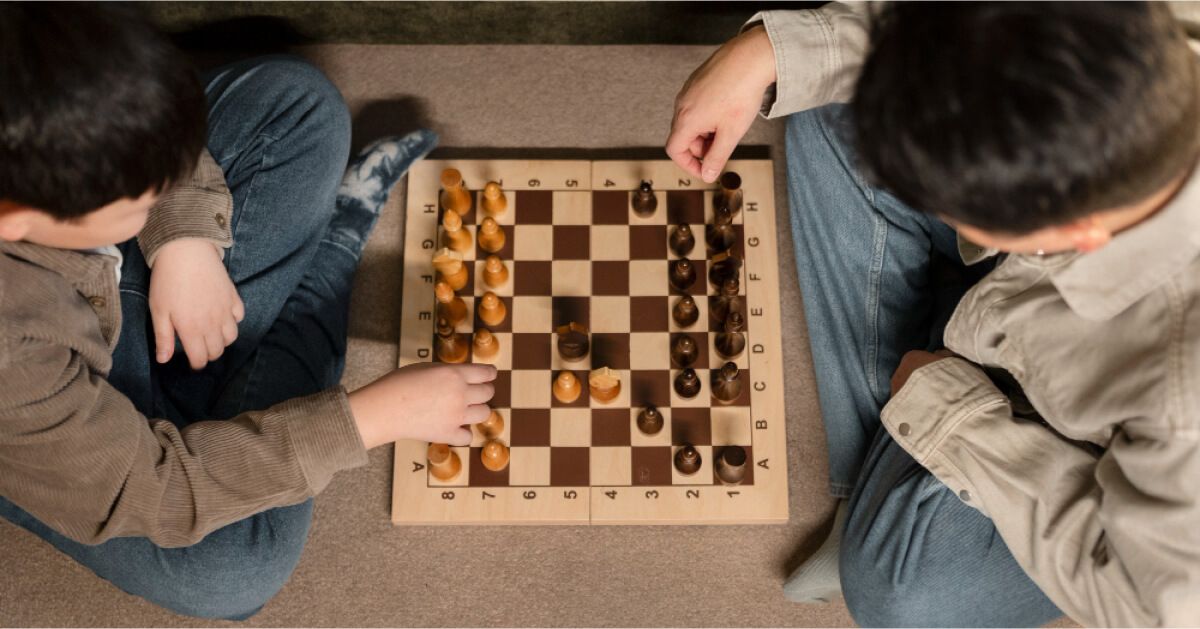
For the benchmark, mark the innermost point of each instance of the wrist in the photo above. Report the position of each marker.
(760, 53)
(179, 246)
(364, 413)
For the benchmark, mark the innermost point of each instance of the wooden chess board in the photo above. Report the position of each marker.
(577, 252)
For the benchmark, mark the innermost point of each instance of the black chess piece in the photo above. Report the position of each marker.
(732, 342)
(731, 465)
(721, 235)
(727, 383)
(724, 265)
(684, 351)
(644, 201)
(730, 194)
(687, 460)
(650, 421)
(685, 311)
(573, 342)
(682, 274)
(726, 301)
(682, 239)
(687, 383)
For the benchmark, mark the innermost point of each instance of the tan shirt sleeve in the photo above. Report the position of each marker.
(79, 457)
(1111, 539)
(200, 206)
(818, 55)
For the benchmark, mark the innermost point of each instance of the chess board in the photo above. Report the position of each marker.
(576, 251)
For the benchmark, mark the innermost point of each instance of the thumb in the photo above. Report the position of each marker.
(722, 147)
(164, 336)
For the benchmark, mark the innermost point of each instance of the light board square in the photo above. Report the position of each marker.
(610, 242)
(572, 208)
(571, 278)
(610, 466)
(571, 426)
(530, 389)
(533, 242)
(529, 467)
(647, 277)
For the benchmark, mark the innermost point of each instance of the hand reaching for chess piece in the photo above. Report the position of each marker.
(427, 402)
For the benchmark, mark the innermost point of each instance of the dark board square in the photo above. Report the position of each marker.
(651, 387)
(649, 314)
(648, 242)
(534, 207)
(739, 243)
(530, 427)
(698, 287)
(691, 426)
(610, 349)
(610, 427)
(503, 385)
(572, 242)
(570, 467)
(650, 465)
(481, 476)
(610, 277)
(505, 325)
(579, 402)
(564, 310)
(743, 398)
(685, 206)
(750, 465)
(610, 207)
(701, 341)
(532, 277)
(531, 350)
(505, 252)
(468, 217)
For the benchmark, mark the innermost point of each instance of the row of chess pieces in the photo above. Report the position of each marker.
(573, 343)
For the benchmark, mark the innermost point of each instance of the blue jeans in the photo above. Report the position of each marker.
(879, 279)
(281, 133)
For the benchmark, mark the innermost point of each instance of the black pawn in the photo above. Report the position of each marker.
(724, 266)
(732, 342)
(726, 301)
(687, 460)
(731, 465)
(682, 274)
(650, 421)
(682, 240)
(727, 383)
(684, 351)
(721, 235)
(687, 383)
(644, 201)
(685, 312)
(450, 346)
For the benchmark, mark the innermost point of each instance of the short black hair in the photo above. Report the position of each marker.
(1011, 117)
(96, 105)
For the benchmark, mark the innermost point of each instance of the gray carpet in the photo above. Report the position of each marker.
(358, 570)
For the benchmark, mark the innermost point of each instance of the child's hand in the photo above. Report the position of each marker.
(718, 103)
(425, 402)
(191, 295)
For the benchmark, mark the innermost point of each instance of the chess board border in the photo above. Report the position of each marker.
(415, 502)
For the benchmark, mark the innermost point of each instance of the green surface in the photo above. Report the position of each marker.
(249, 25)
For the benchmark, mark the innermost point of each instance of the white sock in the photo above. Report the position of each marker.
(818, 579)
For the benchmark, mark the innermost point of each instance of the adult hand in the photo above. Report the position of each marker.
(718, 103)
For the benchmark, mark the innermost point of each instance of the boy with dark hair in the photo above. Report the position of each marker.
(1050, 457)
(185, 477)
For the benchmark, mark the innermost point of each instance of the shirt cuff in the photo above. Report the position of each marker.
(934, 402)
(324, 435)
(199, 206)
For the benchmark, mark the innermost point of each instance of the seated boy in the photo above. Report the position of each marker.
(1050, 460)
(184, 476)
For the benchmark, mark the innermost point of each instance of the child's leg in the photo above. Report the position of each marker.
(281, 133)
(865, 263)
(914, 555)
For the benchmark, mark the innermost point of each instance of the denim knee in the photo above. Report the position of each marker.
(232, 574)
(295, 85)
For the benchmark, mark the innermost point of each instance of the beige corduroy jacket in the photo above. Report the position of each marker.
(1096, 493)
(76, 454)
